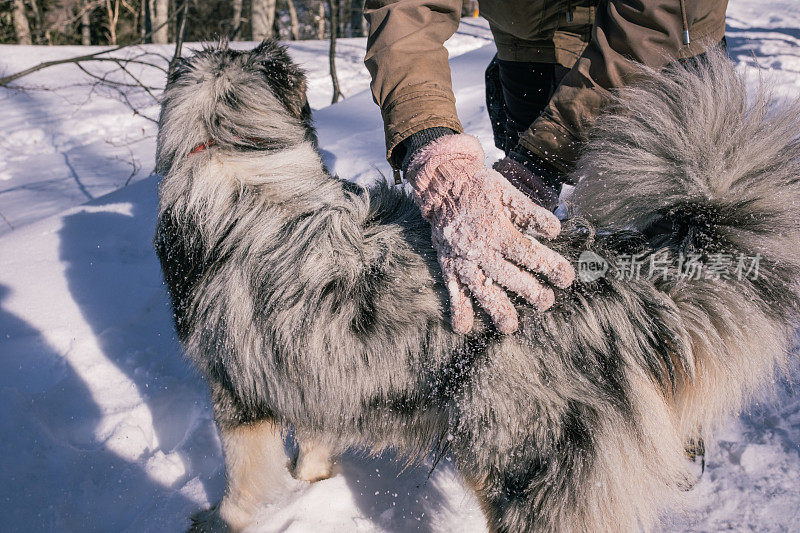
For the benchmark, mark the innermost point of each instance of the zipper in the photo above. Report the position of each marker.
(686, 38)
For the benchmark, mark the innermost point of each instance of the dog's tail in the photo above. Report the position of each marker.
(684, 150)
(712, 177)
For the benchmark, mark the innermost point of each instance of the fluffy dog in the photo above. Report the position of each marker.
(307, 301)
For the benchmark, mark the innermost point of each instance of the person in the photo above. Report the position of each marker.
(556, 66)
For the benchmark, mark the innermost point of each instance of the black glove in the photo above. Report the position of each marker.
(533, 178)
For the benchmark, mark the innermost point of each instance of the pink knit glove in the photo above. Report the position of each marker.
(478, 219)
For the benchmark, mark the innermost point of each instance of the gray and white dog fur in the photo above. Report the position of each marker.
(308, 302)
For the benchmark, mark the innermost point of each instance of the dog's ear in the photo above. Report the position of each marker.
(285, 78)
(178, 69)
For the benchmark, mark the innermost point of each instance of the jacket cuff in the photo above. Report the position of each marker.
(413, 112)
(415, 141)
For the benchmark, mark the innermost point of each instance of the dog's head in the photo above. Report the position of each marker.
(249, 100)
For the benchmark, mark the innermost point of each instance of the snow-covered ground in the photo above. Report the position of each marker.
(104, 427)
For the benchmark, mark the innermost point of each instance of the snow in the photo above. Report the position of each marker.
(104, 425)
(70, 141)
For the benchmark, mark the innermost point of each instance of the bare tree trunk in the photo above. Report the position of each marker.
(38, 30)
(337, 93)
(159, 16)
(182, 7)
(357, 18)
(112, 10)
(21, 26)
(147, 20)
(172, 32)
(236, 21)
(321, 21)
(344, 8)
(262, 17)
(86, 24)
(293, 18)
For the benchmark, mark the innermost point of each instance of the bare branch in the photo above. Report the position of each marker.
(106, 81)
(138, 82)
(4, 81)
(337, 93)
(179, 37)
(135, 165)
(126, 100)
(10, 225)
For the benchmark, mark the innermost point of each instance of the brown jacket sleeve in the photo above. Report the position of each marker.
(407, 60)
(646, 31)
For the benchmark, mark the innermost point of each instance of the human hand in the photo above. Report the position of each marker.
(483, 231)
